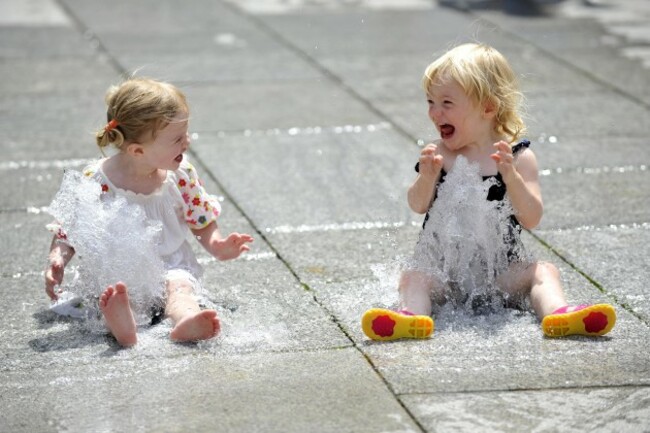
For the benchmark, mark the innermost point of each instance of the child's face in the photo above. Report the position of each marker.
(166, 151)
(458, 118)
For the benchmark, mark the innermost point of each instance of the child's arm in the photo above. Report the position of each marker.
(522, 183)
(223, 249)
(60, 254)
(420, 194)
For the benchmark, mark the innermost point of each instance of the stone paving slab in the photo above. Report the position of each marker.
(246, 393)
(368, 34)
(158, 18)
(279, 315)
(460, 355)
(591, 154)
(42, 42)
(268, 66)
(274, 105)
(594, 410)
(38, 77)
(606, 198)
(31, 240)
(574, 115)
(615, 256)
(318, 178)
(25, 112)
(585, 49)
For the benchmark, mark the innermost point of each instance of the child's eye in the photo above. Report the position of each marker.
(447, 102)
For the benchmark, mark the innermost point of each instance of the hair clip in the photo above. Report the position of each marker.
(111, 125)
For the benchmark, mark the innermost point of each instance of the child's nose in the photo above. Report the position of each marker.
(434, 112)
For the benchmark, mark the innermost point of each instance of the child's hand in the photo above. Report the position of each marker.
(430, 161)
(231, 247)
(54, 277)
(504, 159)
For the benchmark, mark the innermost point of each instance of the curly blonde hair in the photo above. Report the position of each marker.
(486, 76)
(137, 109)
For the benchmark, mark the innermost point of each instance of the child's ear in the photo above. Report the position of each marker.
(135, 149)
(490, 109)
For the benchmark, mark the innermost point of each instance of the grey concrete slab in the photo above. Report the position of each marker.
(604, 198)
(328, 391)
(152, 18)
(238, 36)
(32, 187)
(555, 33)
(381, 77)
(367, 34)
(585, 45)
(615, 257)
(307, 179)
(58, 75)
(597, 410)
(464, 357)
(585, 114)
(32, 13)
(19, 42)
(266, 67)
(622, 73)
(353, 270)
(44, 113)
(270, 313)
(464, 351)
(20, 147)
(591, 154)
(270, 105)
(398, 75)
(411, 115)
(31, 241)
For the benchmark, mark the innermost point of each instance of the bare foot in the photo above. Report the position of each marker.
(200, 326)
(115, 306)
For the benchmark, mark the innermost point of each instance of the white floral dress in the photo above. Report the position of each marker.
(180, 204)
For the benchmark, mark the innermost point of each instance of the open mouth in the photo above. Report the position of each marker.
(446, 131)
(179, 158)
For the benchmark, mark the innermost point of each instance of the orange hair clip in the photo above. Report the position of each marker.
(111, 125)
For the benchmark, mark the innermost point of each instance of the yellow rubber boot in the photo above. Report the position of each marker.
(385, 325)
(591, 320)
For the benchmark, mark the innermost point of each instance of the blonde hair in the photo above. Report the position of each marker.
(137, 109)
(486, 76)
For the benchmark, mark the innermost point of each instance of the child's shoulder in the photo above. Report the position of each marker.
(93, 169)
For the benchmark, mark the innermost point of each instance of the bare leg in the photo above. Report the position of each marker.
(114, 304)
(417, 291)
(540, 281)
(190, 322)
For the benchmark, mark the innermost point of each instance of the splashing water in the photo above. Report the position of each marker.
(467, 240)
(114, 241)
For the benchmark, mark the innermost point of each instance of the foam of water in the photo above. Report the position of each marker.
(114, 241)
(466, 241)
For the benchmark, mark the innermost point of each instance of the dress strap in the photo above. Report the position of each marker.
(523, 144)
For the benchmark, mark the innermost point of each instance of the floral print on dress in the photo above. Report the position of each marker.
(200, 207)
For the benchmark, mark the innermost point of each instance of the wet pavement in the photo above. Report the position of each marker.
(306, 119)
